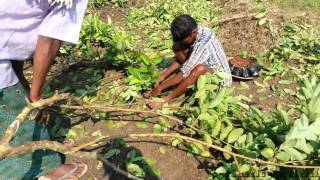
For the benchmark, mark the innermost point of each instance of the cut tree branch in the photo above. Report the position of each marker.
(10, 151)
(15, 125)
(249, 16)
(119, 109)
(189, 139)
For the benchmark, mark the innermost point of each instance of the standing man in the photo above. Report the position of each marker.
(33, 29)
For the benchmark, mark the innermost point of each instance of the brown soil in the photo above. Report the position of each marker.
(244, 33)
(241, 62)
(173, 164)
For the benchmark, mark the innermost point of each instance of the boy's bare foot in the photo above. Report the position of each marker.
(66, 172)
(154, 105)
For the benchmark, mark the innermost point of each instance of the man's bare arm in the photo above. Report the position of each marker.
(46, 50)
(168, 71)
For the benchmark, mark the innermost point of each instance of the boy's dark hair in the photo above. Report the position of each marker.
(182, 26)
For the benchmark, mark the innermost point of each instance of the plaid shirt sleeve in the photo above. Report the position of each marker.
(199, 55)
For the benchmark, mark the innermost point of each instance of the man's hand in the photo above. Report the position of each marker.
(34, 97)
(43, 115)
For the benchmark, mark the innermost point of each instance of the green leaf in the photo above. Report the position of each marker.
(302, 130)
(241, 141)
(71, 134)
(228, 148)
(144, 59)
(142, 125)
(303, 146)
(150, 161)
(244, 86)
(207, 138)
(154, 171)
(221, 170)
(234, 135)
(261, 15)
(201, 82)
(244, 54)
(216, 128)
(267, 153)
(205, 154)
(162, 150)
(283, 156)
(244, 168)
(135, 169)
(270, 144)
(249, 139)
(111, 153)
(157, 128)
(218, 99)
(262, 21)
(175, 142)
(225, 132)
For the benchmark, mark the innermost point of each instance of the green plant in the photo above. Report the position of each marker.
(95, 35)
(141, 78)
(156, 16)
(299, 43)
(272, 136)
(309, 97)
(101, 40)
(95, 4)
(244, 54)
(120, 3)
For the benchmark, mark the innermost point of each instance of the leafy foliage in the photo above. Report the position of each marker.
(156, 16)
(144, 76)
(267, 135)
(310, 97)
(299, 43)
(101, 40)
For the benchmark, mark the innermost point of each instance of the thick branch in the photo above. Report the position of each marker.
(7, 151)
(10, 151)
(15, 125)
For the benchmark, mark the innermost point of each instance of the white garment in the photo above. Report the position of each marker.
(21, 23)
